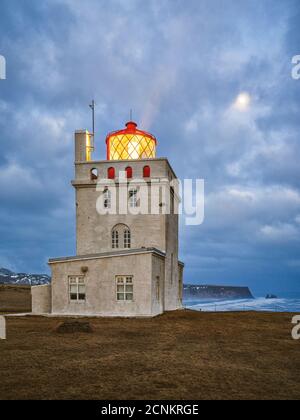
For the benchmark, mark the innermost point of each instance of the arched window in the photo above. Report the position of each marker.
(127, 238)
(128, 171)
(121, 237)
(115, 238)
(107, 198)
(94, 174)
(111, 173)
(146, 172)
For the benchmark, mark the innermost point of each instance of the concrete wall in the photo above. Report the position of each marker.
(151, 230)
(160, 168)
(100, 280)
(41, 299)
(158, 276)
(93, 230)
(83, 146)
(172, 291)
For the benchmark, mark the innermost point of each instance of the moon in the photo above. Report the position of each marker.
(242, 101)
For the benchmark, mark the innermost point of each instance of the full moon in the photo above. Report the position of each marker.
(242, 101)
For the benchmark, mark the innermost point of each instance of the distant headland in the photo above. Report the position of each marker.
(198, 291)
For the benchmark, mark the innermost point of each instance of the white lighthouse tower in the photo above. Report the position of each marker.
(126, 261)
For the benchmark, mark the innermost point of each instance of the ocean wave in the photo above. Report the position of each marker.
(258, 304)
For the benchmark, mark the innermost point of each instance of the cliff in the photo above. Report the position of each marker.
(195, 292)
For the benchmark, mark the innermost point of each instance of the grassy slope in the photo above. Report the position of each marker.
(15, 299)
(180, 355)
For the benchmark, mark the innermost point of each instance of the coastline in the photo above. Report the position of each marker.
(260, 304)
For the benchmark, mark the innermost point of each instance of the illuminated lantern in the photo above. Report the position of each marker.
(130, 143)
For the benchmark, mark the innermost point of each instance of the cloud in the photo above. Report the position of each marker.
(283, 232)
(15, 180)
(180, 67)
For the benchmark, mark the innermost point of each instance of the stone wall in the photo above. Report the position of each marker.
(100, 280)
(93, 230)
(41, 299)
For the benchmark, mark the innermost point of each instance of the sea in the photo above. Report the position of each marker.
(256, 304)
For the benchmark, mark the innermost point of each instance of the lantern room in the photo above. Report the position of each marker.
(130, 143)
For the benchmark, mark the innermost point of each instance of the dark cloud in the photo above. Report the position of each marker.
(180, 66)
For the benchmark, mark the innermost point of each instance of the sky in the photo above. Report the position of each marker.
(210, 79)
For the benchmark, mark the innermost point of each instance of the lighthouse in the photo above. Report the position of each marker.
(126, 261)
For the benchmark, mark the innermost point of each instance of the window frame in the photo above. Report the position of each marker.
(94, 174)
(77, 281)
(127, 282)
(172, 201)
(111, 173)
(146, 171)
(129, 172)
(115, 239)
(127, 238)
(107, 198)
(121, 237)
(132, 198)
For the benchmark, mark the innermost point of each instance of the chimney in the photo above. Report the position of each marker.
(84, 146)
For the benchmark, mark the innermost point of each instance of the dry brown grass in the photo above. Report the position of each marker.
(180, 355)
(15, 299)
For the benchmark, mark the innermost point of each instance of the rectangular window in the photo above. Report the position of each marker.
(107, 198)
(133, 198)
(124, 288)
(77, 289)
(172, 198)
